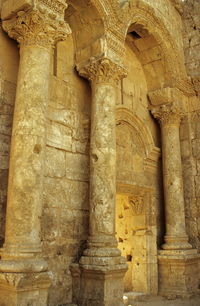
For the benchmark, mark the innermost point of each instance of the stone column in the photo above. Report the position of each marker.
(101, 260)
(177, 252)
(36, 31)
(170, 117)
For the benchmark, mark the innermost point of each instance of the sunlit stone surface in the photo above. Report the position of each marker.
(99, 152)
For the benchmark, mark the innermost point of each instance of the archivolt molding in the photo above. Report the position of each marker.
(151, 20)
(102, 16)
(116, 17)
(152, 152)
(125, 115)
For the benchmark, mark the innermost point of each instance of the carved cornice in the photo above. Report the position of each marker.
(42, 25)
(168, 114)
(102, 71)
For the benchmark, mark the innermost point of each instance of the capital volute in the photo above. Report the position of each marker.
(41, 24)
(102, 71)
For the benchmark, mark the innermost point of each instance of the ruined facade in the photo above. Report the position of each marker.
(99, 150)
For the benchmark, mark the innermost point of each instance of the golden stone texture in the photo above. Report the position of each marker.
(36, 35)
(99, 151)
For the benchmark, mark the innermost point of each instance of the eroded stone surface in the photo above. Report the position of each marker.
(63, 191)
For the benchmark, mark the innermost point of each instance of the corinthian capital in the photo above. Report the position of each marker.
(168, 114)
(167, 105)
(102, 71)
(41, 24)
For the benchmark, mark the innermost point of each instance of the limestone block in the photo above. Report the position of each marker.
(59, 136)
(60, 93)
(77, 166)
(54, 162)
(9, 92)
(5, 124)
(65, 117)
(5, 145)
(65, 193)
(77, 224)
(6, 109)
(197, 184)
(4, 161)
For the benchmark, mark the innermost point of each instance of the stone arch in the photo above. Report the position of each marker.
(134, 201)
(90, 21)
(150, 19)
(125, 115)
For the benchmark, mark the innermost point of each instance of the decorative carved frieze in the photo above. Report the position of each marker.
(41, 25)
(103, 70)
(137, 204)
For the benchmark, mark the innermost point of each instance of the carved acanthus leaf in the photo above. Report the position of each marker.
(103, 70)
(137, 204)
(42, 25)
(168, 114)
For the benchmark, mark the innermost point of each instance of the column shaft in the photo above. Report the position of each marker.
(173, 188)
(103, 164)
(101, 264)
(27, 152)
(37, 31)
(104, 76)
(169, 116)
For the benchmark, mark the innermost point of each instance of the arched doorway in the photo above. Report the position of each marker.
(139, 187)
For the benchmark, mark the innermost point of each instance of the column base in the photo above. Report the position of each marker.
(101, 281)
(24, 282)
(176, 243)
(178, 272)
(22, 289)
(26, 251)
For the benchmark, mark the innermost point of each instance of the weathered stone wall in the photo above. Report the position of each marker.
(190, 136)
(65, 221)
(191, 36)
(66, 202)
(8, 77)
